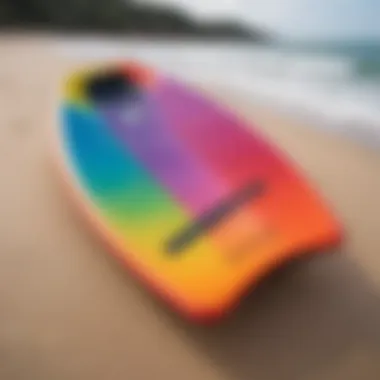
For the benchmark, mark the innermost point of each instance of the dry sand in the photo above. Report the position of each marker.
(69, 311)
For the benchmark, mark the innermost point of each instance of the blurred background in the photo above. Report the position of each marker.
(304, 72)
(315, 58)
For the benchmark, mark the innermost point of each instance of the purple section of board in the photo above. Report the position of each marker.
(143, 129)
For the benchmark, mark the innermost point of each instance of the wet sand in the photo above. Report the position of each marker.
(69, 311)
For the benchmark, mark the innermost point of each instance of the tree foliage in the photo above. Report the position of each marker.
(113, 16)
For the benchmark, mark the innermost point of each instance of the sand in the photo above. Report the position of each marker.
(69, 311)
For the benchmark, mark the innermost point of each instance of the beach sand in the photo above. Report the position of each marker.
(69, 311)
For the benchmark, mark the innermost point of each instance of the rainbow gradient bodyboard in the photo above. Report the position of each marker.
(193, 201)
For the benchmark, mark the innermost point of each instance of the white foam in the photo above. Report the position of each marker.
(320, 86)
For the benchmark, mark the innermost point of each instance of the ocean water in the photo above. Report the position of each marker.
(337, 85)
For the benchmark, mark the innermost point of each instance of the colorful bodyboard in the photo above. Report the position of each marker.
(195, 202)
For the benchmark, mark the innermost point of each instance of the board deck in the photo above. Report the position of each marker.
(193, 200)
